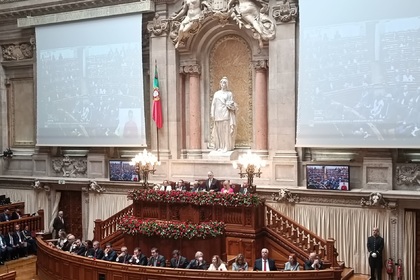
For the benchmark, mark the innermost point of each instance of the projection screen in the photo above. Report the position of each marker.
(359, 74)
(90, 83)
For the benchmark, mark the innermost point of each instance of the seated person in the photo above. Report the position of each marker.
(123, 257)
(226, 187)
(77, 248)
(70, 240)
(62, 239)
(181, 186)
(313, 262)
(156, 259)
(197, 187)
(244, 188)
(264, 263)
(292, 264)
(16, 214)
(217, 264)
(240, 264)
(27, 234)
(198, 262)
(138, 257)
(89, 249)
(177, 260)
(166, 186)
(109, 253)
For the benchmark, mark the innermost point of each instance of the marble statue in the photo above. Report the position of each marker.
(223, 112)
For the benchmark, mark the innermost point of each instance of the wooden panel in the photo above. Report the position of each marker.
(71, 205)
(8, 276)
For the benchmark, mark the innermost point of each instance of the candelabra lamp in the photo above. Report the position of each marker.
(249, 166)
(145, 163)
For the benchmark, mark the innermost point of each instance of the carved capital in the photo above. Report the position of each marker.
(191, 69)
(158, 26)
(260, 65)
(17, 51)
(285, 11)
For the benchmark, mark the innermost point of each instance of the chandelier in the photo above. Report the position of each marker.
(249, 166)
(145, 163)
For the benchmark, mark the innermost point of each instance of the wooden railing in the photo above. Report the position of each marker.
(35, 223)
(105, 229)
(8, 276)
(12, 206)
(302, 240)
(53, 264)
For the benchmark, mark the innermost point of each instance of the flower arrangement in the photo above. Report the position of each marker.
(196, 198)
(171, 229)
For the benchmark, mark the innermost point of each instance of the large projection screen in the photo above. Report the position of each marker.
(359, 74)
(90, 83)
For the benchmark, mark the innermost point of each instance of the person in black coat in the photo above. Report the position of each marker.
(156, 259)
(58, 223)
(138, 258)
(212, 184)
(178, 261)
(313, 262)
(375, 245)
(5, 216)
(16, 215)
(124, 256)
(97, 252)
(109, 253)
(198, 262)
(264, 263)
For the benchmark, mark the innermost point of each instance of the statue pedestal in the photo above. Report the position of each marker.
(223, 156)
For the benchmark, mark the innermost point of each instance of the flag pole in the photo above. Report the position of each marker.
(157, 139)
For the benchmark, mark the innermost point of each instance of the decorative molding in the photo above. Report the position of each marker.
(95, 187)
(158, 26)
(260, 65)
(376, 199)
(18, 51)
(284, 195)
(70, 167)
(191, 69)
(37, 185)
(408, 175)
(287, 11)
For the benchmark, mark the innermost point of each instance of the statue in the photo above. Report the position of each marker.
(253, 14)
(223, 112)
(192, 9)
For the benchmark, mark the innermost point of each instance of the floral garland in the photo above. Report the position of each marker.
(172, 229)
(196, 198)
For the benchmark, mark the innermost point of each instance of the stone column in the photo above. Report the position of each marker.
(261, 121)
(194, 145)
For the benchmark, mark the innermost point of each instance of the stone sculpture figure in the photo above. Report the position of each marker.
(253, 14)
(223, 111)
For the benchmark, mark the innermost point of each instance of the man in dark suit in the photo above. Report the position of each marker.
(178, 261)
(5, 216)
(16, 215)
(244, 188)
(20, 242)
(138, 258)
(264, 263)
(313, 262)
(98, 253)
(109, 253)
(198, 262)
(212, 185)
(58, 223)
(156, 259)
(123, 257)
(375, 245)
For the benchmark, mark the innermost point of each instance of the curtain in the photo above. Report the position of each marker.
(27, 196)
(350, 227)
(103, 206)
(43, 203)
(409, 258)
(54, 210)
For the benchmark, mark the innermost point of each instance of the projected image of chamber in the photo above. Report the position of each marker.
(328, 177)
(120, 170)
(359, 76)
(90, 83)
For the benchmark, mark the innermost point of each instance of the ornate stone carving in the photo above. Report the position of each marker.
(18, 51)
(95, 187)
(158, 26)
(39, 186)
(191, 69)
(376, 200)
(284, 195)
(260, 65)
(251, 14)
(70, 167)
(285, 11)
(408, 175)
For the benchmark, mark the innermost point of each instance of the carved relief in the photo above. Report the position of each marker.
(260, 65)
(70, 167)
(237, 67)
(285, 11)
(251, 14)
(284, 195)
(37, 185)
(191, 69)
(18, 51)
(158, 26)
(408, 175)
(377, 200)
